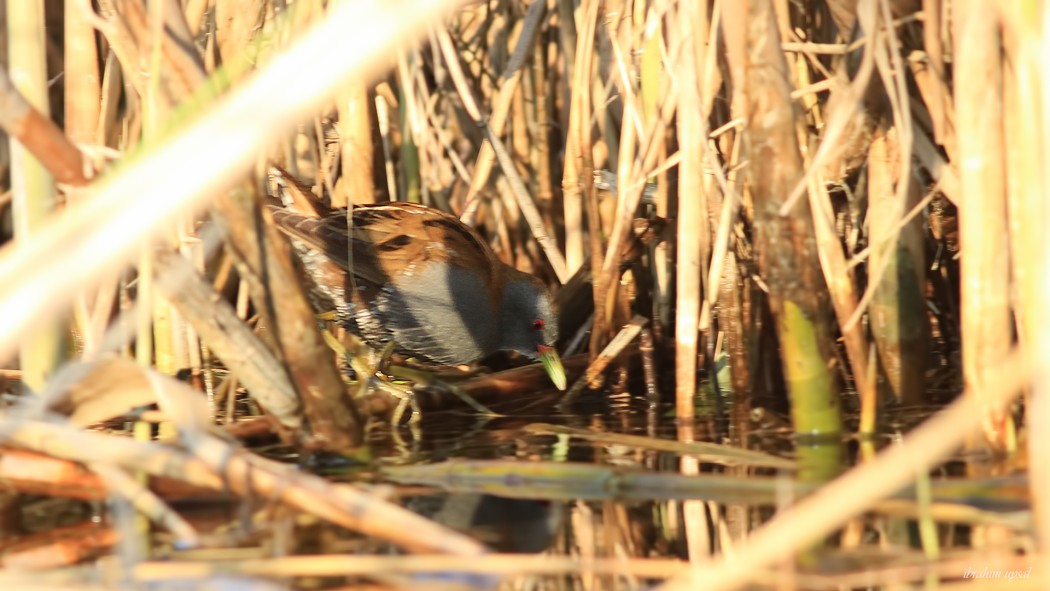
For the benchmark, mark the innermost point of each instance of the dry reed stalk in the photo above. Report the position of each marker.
(265, 262)
(122, 485)
(142, 41)
(82, 78)
(508, 85)
(112, 82)
(723, 209)
(522, 198)
(408, 118)
(71, 442)
(582, 518)
(1027, 90)
(786, 254)
(695, 521)
(653, 84)
(180, 340)
(195, 10)
(985, 284)
(854, 492)
(196, 352)
(168, 341)
(626, 160)
(214, 463)
(230, 339)
(692, 220)
(604, 144)
(343, 565)
(153, 322)
(730, 297)
(897, 314)
(508, 222)
(843, 291)
(383, 123)
(237, 23)
(33, 187)
(520, 141)
(355, 134)
(180, 337)
(541, 140)
(39, 136)
(575, 183)
(934, 86)
(630, 196)
(135, 529)
(108, 225)
(506, 252)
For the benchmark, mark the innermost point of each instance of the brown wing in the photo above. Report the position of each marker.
(390, 240)
(401, 236)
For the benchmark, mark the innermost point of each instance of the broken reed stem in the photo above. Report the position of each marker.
(591, 377)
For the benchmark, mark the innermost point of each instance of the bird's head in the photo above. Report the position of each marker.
(529, 323)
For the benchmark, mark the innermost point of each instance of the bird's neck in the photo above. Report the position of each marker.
(514, 294)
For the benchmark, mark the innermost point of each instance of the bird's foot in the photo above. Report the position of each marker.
(329, 316)
(372, 373)
(422, 378)
(407, 399)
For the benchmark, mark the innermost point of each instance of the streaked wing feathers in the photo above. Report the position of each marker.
(391, 240)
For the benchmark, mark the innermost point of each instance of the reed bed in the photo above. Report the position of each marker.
(832, 209)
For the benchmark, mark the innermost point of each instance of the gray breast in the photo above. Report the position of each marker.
(440, 312)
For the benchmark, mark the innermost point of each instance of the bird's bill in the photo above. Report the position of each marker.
(552, 363)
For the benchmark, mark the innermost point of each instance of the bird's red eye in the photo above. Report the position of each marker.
(537, 324)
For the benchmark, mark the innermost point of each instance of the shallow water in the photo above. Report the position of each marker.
(612, 517)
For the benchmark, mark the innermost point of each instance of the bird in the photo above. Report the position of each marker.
(422, 279)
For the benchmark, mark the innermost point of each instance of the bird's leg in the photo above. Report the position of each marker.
(399, 410)
(422, 377)
(384, 356)
(369, 373)
(403, 446)
(405, 398)
(330, 315)
(353, 355)
(458, 393)
(405, 395)
(427, 379)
